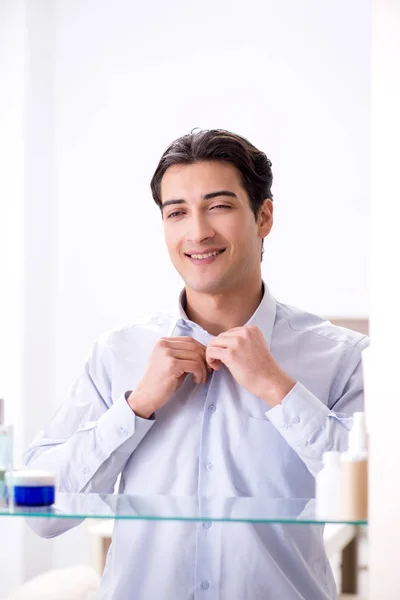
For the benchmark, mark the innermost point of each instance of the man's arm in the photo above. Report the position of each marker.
(310, 427)
(306, 423)
(90, 439)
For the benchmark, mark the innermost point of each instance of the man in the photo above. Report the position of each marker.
(235, 395)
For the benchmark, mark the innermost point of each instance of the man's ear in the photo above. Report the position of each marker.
(265, 218)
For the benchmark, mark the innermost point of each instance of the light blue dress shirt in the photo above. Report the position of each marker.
(213, 439)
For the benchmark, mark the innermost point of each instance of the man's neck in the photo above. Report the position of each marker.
(217, 313)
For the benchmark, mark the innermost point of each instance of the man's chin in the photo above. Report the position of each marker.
(207, 286)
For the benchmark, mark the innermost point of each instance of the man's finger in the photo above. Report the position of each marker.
(215, 356)
(197, 369)
(182, 338)
(184, 342)
(193, 357)
(222, 341)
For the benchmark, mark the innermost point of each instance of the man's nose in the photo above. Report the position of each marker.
(199, 229)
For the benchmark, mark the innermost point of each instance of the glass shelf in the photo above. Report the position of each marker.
(177, 508)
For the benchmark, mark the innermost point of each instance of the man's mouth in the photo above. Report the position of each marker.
(205, 256)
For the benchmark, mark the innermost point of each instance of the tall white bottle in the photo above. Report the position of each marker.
(354, 473)
(327, 488)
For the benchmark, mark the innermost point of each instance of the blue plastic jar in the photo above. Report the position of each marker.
(32, 487)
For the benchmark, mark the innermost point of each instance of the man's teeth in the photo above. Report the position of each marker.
(202, 256)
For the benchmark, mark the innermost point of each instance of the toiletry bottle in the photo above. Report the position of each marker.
(6, 455)
(354, 473)
(327, 488)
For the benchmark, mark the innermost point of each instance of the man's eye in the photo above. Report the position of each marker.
(176, 213)
(220, 206)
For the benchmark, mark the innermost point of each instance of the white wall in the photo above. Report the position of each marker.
(40, 235)
(292, 77)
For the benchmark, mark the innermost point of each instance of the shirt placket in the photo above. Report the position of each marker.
(208, 532)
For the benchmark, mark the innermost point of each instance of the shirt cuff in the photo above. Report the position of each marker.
(119, 429)
(299, 415)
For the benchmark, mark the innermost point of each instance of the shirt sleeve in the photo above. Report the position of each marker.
(311, 427)
(90, 439)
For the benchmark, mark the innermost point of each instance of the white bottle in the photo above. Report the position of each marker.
(327, 488)
(354, 473)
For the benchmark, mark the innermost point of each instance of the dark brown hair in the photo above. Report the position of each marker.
(218, 144)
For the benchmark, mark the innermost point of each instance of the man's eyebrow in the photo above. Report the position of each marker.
(219, 193)
(168, 202)
(209, 196)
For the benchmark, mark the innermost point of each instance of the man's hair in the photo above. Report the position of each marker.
(218, 144)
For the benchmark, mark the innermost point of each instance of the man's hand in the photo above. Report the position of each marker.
(171, 360)
(244, 352)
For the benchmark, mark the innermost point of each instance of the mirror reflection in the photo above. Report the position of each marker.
(195, 306)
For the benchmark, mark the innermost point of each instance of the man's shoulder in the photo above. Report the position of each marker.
(312, 327)
(152, 325)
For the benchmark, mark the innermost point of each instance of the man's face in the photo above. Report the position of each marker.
(211, 233)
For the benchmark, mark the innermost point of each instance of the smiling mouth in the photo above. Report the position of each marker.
(205, 256)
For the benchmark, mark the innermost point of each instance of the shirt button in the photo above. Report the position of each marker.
(86, 471)
(207, 524)
(205, 585)
(296, 420)
(123, 431)
(212, 408)
(209, 466)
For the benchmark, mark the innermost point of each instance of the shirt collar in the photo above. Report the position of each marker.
(263, 317)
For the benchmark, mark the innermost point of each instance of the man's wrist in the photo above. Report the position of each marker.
(138, 406)
(277, 389)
